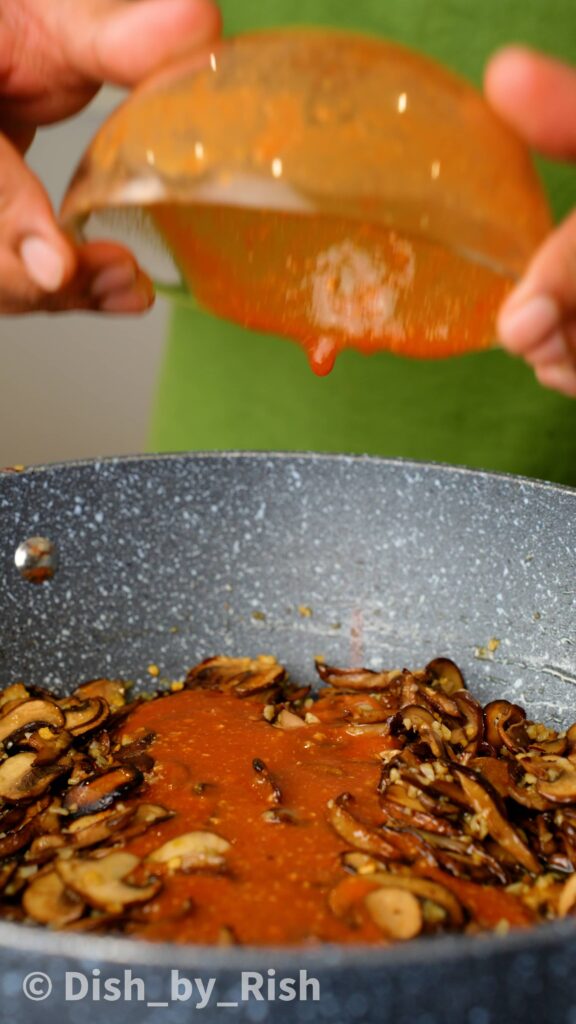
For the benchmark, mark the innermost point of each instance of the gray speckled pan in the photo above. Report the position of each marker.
(170, 559)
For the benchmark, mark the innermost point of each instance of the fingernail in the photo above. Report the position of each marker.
(44, 263)
(523, 325)
(118, 277)
(132, 300)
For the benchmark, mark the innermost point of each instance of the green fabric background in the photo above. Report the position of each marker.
(223, 387)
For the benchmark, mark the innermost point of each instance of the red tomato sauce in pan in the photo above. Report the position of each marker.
(279, 874)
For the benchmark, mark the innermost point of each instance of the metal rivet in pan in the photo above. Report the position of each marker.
(36, 559)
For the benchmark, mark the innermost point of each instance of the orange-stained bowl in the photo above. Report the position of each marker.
(336, 189)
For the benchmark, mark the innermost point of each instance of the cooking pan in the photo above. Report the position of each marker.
(167, 560)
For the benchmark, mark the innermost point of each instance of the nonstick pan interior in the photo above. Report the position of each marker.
(167, 560)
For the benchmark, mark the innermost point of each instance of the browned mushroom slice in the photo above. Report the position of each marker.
(400, 814)
(499, 716)
(333, 706)
(356, 678)
(20, 779)
(48, 743)
(499, 828)
(495, 771)
(7, 869)
(246, 676)
(424, 889)
(99, 790)
(463, 857)
(16, 840)
(415, 718)
(445, 675)
(19, 825)
(128, 751)
(469, 735)
(435, 700)
(560, 786)
(346, 898)
(396, 912)
(192, 851)
(85, 715)
(145, 816)
(29, 715)
(91, 829)
(15, 693)
(113, 691)
(355, 832)
(101, 882)
(44, 848)
(48, 901)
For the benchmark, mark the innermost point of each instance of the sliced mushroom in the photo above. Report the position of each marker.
(398, 815)
(356, 678)
(499, 828)
(13, 694)
(144, 817)
(44, 848)
(246, 676)
(356, 833)
(113, 691)
(192, 851)
(85, 715)
(396, 912)
(562, 789)
(499, 716)
(445, 675)
(471, 733)
(48, 743)
(29, 715)
(101, 882)
(20, 779)
(346, 899)
(418, 719)
(16, 840)
(48, 901)
(99, 790)
(91, 829)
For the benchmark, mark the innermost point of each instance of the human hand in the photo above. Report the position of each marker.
(537, 97)
(54, 55)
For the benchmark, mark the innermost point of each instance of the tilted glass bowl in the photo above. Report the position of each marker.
(336, 189)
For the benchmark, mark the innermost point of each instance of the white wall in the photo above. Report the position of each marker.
(75, 385)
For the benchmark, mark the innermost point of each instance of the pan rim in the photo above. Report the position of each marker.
(262, 455)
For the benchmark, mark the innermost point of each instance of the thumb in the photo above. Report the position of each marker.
(121, 42)
(536, 95)
(538, 320)
(35, 257)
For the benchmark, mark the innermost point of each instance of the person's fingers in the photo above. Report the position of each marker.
(123, 42)
(35, 256)
(538, 320)
(39, 266)
(536, 95)
(107, 279)
(55, 54)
